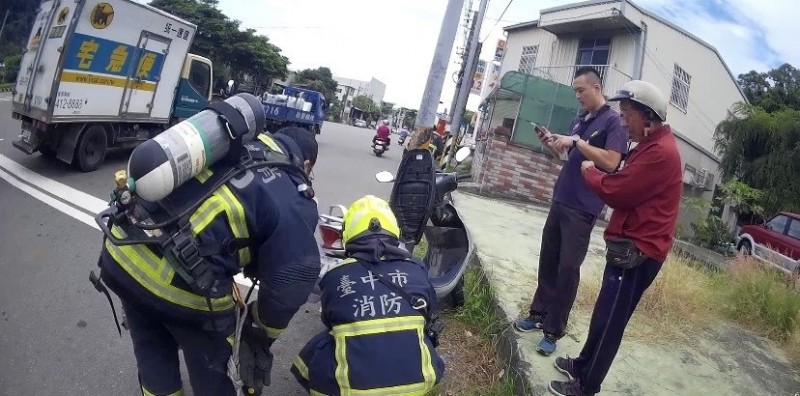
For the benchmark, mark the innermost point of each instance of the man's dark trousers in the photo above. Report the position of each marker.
(565, 240)
(619, 295)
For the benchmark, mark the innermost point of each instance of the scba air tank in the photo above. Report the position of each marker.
(164, 162)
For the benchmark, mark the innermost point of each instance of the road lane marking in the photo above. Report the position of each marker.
(78, 198)
(56, 204)
(44, 189)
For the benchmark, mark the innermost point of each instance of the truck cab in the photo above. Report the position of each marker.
(195, 87)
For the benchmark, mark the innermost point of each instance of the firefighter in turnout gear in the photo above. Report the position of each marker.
(260, 221)
(377, 305)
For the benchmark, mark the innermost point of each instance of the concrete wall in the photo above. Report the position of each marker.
(524, 37)
(374, 88)
(578, 12)
(712, 91)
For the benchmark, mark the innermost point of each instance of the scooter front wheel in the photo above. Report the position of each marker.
(455, 298)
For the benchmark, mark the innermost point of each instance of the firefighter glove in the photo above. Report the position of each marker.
(255, 358)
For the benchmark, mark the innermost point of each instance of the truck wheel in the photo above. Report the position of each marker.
(91, 150)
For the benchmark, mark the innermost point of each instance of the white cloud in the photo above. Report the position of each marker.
(394, 40)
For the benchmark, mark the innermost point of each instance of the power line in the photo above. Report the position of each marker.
(498, 20)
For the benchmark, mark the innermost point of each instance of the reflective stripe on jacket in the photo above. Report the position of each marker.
(376, 343)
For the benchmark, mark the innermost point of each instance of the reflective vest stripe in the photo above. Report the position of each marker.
(270, 142)
(271, 331)
(155, 275)
(223, 200)
(204, 175)
(301, 367)
(236, 219)
(146, 392)
(378, 326)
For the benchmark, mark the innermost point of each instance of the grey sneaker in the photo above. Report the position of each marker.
(564, 365)
(567, 388)
(531, 323)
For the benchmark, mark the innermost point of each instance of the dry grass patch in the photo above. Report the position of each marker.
(472, 364)
(679, 300)
(687, 297)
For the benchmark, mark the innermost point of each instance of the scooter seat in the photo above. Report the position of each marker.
(413, 194)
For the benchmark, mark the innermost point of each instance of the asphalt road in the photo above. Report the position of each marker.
(56, 332)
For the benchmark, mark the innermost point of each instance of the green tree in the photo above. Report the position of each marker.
(233, 51)
(370, 109)
(762, 150)
(743, 198)
(773, 90)
(410, 117)
(15, 34)
(387, 109)
(319, 79)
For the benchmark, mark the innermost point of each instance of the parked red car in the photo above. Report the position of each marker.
(776, 240)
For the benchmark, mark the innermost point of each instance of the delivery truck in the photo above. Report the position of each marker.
(105, 74)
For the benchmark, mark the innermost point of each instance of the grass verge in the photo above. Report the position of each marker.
(686, 296)
(6, 85)
(468, 343)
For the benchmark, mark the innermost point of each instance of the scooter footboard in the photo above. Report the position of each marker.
(448, 249)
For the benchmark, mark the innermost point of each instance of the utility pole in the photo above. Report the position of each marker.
(464, 57)
(441, 58)
(473, 55)
(4, 23)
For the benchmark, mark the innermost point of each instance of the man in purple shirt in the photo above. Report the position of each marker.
(595, 135)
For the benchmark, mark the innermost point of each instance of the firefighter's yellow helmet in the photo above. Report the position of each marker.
(369, 215)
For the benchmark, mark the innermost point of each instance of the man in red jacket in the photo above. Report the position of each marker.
(645, 195)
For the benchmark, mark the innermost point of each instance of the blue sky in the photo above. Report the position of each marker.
(394, 40)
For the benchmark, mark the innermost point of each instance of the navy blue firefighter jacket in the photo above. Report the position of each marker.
(375, 343)
(262, 204)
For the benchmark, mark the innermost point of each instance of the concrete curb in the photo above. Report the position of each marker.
(507, 340)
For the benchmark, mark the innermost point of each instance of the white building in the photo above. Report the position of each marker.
(624, 42)
(351, 88)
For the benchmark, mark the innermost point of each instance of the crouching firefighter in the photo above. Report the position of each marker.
(172, 263)
(379, 308)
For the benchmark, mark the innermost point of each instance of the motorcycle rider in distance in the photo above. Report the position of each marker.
(383, 132)
(377, 305)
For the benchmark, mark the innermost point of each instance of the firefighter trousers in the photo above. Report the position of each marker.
(156, 343)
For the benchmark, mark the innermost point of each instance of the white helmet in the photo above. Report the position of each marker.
(646, 94)
(385, 122)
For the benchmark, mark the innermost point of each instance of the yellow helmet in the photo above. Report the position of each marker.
(367, 216)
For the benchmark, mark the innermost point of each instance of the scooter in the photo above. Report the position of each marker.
(379, 146)
(401, 141)
(421, 201)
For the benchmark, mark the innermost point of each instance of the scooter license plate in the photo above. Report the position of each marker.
(26, 136)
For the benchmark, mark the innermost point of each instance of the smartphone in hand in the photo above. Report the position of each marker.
(538, 129)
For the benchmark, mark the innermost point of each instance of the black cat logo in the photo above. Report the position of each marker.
(62, 16)
(102, 15)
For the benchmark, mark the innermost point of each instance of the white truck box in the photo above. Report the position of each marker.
(101, 60)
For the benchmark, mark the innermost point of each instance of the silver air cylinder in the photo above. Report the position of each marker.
(164, 162)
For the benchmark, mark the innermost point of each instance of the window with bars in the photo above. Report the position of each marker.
(681, 80)
(528, 59)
